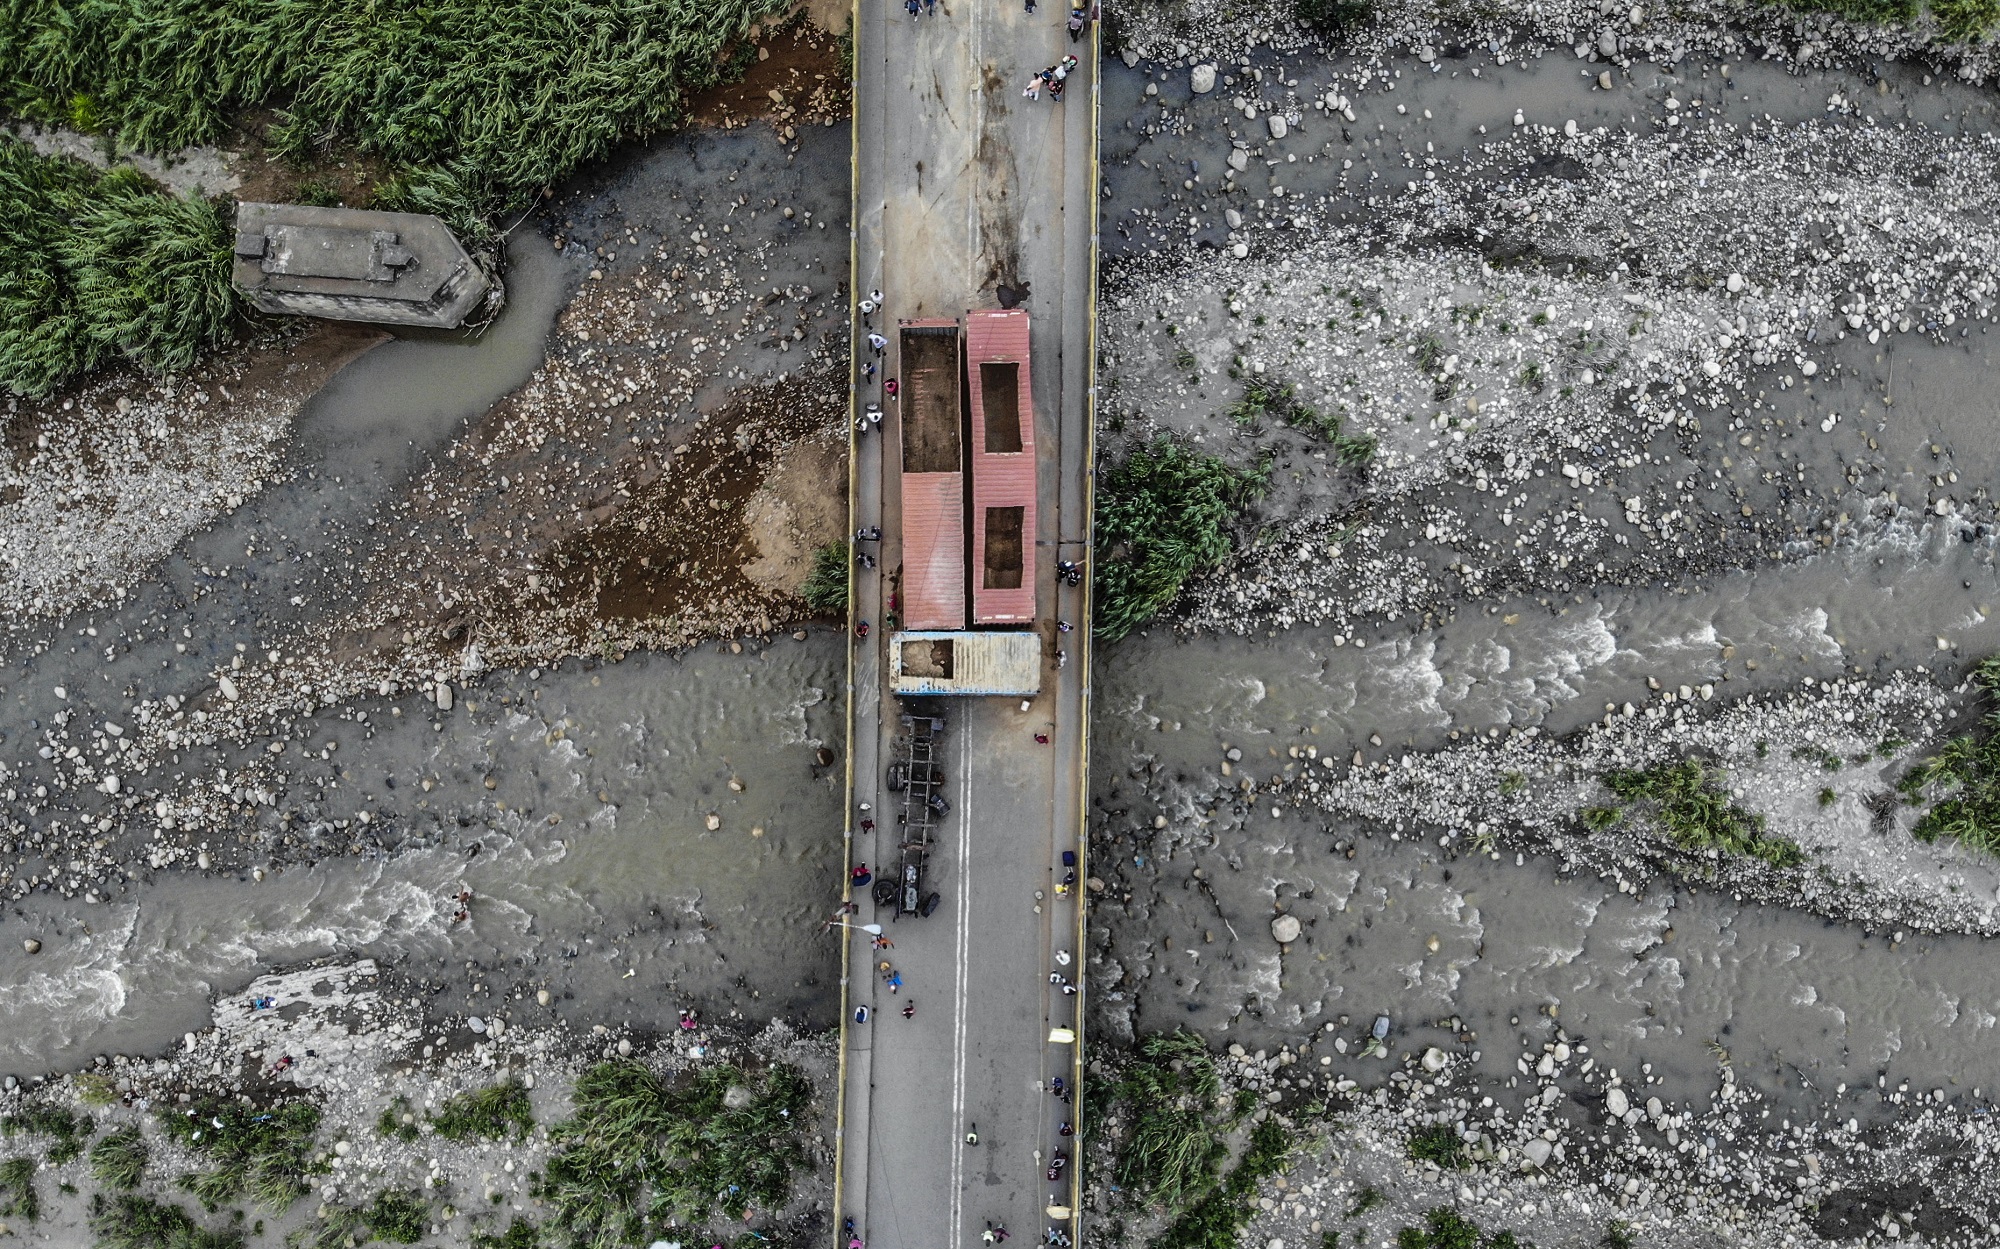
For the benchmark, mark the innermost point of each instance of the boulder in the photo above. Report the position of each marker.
(1616, 1103)
(1435, 1059)
(1537, 1152)
(1285, 929)
(1201, 79)
(1277, 125)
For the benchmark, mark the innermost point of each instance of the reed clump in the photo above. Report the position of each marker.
(1963, 779)
(129, 1222)
(1162, 516)
(1173, 1151)
(265, 1152)
(119, 1160)
(825, 588)
(1693, 806)
(479, 103)
(645, 1152)
(1215, 1221)
(66, 1131)
(493, 1113)
(97, 267)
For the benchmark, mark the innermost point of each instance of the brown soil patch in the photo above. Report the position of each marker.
(338, 175)
(798, 79)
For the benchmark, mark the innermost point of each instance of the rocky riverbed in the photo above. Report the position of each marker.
(1613, 377)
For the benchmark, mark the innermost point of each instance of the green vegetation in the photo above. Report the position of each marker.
(66, 1131)
(1281, 402)
(96, 267)
(1439, 1143)
(1692, 804)
(494, 1113)
(476, 104)
(400, 1218)
(1172, 1154)
(264, 1152)
(1959, 21)
(18, 1198)
(1618, 1235)
(1364, 1201)
(141, 1223)
(1445, 1228)
(1965, 775)
(398, 1120)
(1162, 516)
(643, 1152)
(520, 1234)
(1332, 18)
(1214, 1221)
(825, 590)
(95, 1089)
(119, 1160)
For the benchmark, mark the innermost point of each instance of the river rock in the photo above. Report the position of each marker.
(1230, 216)
(1604, 81)
(736, 1097)
(1435, 1059)
(1537, 1152)
(624, 1047)
(1654, 1109)
(1616, 1103)
(32, 946)
(542, 997)
(1285, 929)
(1607, 42)
(1277, 125)
(443, 696)
(229, 690)
(1201, 79)
(477, 1024)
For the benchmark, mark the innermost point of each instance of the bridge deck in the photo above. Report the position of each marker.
(963, 186)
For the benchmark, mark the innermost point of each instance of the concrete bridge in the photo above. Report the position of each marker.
(963, 187)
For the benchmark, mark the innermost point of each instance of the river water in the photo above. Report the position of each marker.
(589, 858)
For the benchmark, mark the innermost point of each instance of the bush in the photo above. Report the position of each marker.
(825, 590)
(266, 1152)
(643, 1152)
(500, 97)
(119, 1160)
(495, 1113)
(101, 266)
(1163, 516)
(141, 1223)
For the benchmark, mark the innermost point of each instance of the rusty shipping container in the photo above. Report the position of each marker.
(1003, 466)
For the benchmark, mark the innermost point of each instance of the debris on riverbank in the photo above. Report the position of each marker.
(455, 1118)
(1569, 1146)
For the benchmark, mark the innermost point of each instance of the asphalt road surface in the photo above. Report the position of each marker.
(963, 185)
